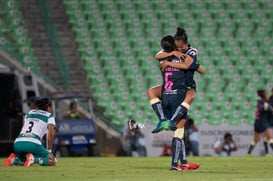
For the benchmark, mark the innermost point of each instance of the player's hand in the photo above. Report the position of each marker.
(52, 161)
(164, 65)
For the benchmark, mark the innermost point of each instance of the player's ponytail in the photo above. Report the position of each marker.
(181, 35)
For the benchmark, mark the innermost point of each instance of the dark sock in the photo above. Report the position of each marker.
(182, 155)
(251, 147)
(176, 151)
(157, 107)
(265, 147)
(179, 113)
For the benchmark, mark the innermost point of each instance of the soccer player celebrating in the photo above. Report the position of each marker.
(173, 93)
(27, 146)
(154, 93)
(263, 113)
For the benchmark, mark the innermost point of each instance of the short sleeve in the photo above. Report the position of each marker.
(51, 121)
(193, 54)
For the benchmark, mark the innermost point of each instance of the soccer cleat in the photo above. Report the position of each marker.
(189, 166)
(172, 126)
(10, 160)
(161, 125)
(176, 168)
(29, 161)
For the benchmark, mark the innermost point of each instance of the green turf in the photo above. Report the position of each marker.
(136, 169)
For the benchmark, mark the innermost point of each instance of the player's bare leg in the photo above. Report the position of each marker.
(268, 135)
(256, 139)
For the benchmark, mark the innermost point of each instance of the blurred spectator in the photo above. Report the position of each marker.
(134, 139)
(191, 138)
(226, 146)
(73, 112)
(166, 151)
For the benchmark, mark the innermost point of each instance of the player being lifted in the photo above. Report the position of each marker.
(173, 93)
(154, 93)
(27, 146)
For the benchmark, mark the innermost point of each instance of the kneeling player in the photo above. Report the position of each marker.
(27, 146)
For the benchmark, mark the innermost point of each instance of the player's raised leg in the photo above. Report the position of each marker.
(154, 93)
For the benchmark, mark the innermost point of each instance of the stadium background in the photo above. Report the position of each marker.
(105, 48)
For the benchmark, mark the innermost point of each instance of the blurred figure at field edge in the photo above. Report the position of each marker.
(191, 138)
(73, 112)
(226, 146)
(134, 139)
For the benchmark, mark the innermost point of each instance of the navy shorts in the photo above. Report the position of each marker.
(171, 101)
(261, 125)
(191, 85)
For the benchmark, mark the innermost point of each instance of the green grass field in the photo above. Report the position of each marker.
(136, 169)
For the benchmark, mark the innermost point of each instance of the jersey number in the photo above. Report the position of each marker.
(168, 84)
(31, 124)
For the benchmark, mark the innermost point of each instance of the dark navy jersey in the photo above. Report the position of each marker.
(261, 112)
(189, 74)
(173, 78)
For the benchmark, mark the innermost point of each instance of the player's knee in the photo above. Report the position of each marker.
(192, 97)
(150, 94)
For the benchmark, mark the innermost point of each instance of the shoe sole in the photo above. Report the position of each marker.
(175, 169)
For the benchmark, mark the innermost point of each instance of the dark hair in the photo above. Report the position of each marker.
(227, 135)
(131, 121)
(72, 104)
(261, 93)
(181, 35)
(167, 43)
(43, 103)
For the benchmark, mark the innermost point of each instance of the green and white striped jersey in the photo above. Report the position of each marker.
(35, 126)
